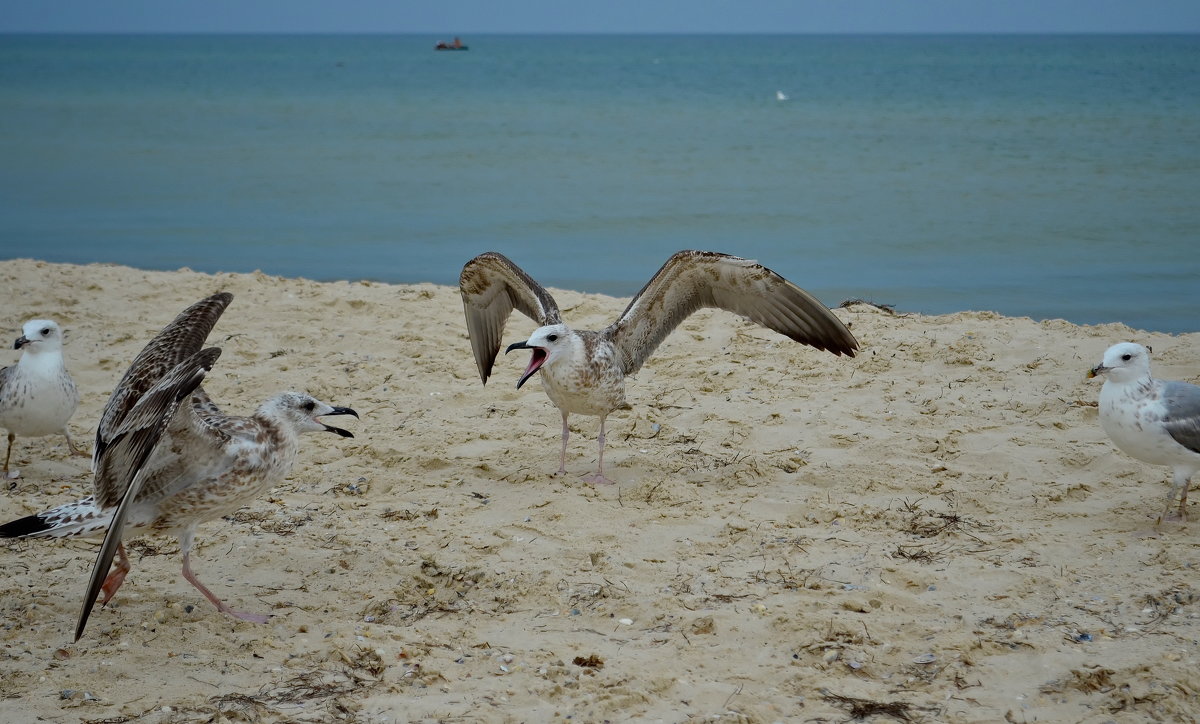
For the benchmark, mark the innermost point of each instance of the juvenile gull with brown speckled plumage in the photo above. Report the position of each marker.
(167, 459)
(585, 371)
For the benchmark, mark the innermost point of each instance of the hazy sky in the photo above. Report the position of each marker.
(601, 16)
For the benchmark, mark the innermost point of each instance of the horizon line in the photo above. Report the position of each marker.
(479, 33)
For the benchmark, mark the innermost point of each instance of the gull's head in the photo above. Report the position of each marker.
(301, 413)
(546, 343)
(39, 335)
(1123, 362)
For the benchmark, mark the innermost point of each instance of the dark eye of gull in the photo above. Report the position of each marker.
(310, 406)
(46, 332)
(1126, 357)
(552, 337)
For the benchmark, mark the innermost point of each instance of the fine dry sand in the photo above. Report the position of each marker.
(937, 530)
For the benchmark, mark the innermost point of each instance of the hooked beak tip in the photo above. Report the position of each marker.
(338, 430)
(516, 345)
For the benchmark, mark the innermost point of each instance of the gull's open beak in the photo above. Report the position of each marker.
(535, 362)
(21, 342)
(338, 430)
(1097, 370)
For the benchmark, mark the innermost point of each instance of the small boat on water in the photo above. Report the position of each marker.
(456, 44)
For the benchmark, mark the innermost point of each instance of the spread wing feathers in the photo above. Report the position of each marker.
(178, 341)
(492, 286)
(1183, 413)
(132, 443)
(124, 460)
(692, 280)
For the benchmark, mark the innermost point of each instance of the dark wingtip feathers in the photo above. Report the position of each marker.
(24, 527)
(848, 347)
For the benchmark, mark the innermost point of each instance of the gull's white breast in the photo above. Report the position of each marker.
(1132, 415)
(587, 379)
(40, 397)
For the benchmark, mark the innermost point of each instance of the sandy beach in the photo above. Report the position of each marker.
(936, 530)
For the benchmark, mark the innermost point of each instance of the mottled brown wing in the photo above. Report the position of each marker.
(177, 342)
(120, 471)
(492, 286)
(693, 280)
(193, 448)
(130, 445)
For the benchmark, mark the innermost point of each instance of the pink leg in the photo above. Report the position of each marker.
(598, 477)
(116, 577)
(1179, 488)
(185, 542)
(71, 445)
(562, 456)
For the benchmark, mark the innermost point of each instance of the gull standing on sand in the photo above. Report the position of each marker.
(167, 459)
(584, 371)
(37, 394)
(1155, 421)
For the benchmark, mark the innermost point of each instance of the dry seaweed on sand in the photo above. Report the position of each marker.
(863, 708)
(408, 515)
(352, 673)
(591, 661)
(889, 308)
(931, 524)
(920, 554)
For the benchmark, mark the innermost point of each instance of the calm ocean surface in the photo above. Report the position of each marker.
(1043, 176)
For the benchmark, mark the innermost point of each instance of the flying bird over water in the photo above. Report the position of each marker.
(37, 394)
(1155, 421)
(584, 371)
(167, 458)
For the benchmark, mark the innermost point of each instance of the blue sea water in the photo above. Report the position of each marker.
(1050, 176)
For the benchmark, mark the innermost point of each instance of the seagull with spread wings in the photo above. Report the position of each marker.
(167, 459)
(584, 372)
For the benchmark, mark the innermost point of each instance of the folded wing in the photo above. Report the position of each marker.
(1182, 401)
(5, 374)
(492, 286)
(693, 280)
